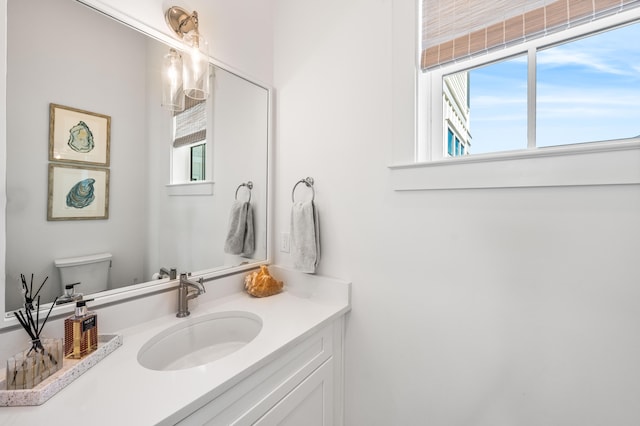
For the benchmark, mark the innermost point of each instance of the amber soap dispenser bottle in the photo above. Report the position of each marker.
(80, 332)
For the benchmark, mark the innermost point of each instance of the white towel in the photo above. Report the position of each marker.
(305, 236)
(240, 236)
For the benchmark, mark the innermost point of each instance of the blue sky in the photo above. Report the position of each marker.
(587, 90)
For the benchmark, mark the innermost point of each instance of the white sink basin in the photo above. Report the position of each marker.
(199, 341)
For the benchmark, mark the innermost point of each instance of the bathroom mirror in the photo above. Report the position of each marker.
(100, 65)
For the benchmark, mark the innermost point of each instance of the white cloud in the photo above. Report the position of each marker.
(559, 57)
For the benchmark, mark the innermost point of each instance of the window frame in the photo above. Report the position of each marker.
(180, 184)
(591, 163)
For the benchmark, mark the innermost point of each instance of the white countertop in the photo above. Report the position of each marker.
(119, 391)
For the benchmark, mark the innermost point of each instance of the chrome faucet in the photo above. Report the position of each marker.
(169, 273)
(184, 295)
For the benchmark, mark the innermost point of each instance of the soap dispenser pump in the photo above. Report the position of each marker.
(80, 332)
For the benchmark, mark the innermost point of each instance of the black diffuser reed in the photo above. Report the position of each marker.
(32, 326)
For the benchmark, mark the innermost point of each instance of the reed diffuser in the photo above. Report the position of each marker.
(44, 357)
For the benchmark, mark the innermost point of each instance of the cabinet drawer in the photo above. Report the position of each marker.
(247, 401)
(309, 404)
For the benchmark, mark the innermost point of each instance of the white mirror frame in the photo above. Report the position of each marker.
(134, 291)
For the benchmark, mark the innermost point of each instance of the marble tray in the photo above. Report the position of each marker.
(71, 370)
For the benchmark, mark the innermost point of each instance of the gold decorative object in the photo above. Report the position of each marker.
(261, 283)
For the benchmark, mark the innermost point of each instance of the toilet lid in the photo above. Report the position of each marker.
(81, 260)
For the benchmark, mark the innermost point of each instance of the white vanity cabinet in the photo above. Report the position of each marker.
(301, 386)
(291, 373)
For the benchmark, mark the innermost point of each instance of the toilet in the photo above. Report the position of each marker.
(92, 272)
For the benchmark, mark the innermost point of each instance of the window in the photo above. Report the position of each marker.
(198, 162)
(533, 142)
(507, 85)
(588, 89)
(189, 143)
(585, 90)
(497, 118)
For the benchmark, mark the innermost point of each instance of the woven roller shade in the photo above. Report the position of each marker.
(190, 124)
(454, 29)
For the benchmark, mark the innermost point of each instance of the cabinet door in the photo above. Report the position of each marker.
(309, 404)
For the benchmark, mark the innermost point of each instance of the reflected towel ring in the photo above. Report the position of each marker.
(249, 185)
(308, 181)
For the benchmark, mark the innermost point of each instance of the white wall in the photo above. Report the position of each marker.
(470, 307)
(91, 80)
(189, 231)
(238, 32)
(240, 132)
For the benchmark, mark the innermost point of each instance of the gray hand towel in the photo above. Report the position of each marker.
(248, 246)
(305, 236)
(234, 243)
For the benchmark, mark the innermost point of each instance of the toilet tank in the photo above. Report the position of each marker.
(92, 272)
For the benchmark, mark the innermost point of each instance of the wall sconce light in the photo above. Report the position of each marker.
(172, 82)
(186, 73)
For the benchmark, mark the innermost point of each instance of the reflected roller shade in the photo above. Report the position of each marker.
(455, 29)
(190, 124)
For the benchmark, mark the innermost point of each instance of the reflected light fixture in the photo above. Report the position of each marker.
(186, 73)
(172, 82)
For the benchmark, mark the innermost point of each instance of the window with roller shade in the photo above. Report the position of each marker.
(189, 142)
(516, 75)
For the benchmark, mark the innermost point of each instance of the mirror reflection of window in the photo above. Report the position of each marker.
(197, 162)
(189, 141)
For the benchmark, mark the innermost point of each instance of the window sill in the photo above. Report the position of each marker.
(190, 188)
(603, 163)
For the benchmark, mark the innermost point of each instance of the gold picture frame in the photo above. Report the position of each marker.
(77, 193)
(78, 136)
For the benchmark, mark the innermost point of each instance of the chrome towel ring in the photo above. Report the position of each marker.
(308, 181)
(248, 185)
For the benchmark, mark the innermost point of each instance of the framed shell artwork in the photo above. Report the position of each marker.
(77, 192)
(78, 136)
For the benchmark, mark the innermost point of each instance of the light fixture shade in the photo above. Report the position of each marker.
(196, 66)
(172, 81)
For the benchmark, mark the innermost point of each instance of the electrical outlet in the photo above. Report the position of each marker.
(284, 242)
